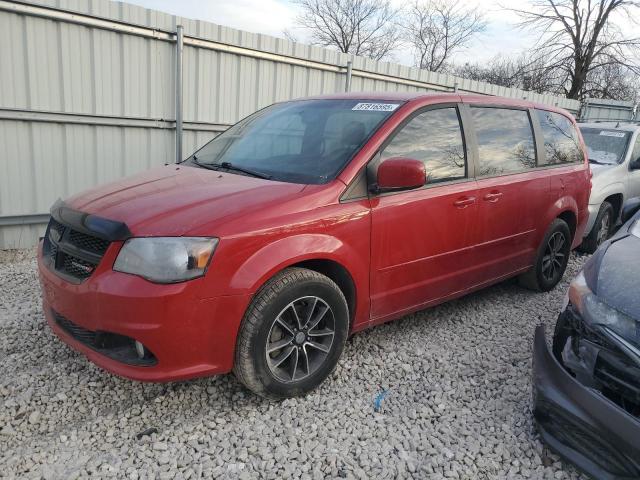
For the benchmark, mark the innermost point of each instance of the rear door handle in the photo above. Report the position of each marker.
(492, 197)
(464, 202)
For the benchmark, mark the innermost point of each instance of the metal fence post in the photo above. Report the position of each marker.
(347, 83)
(179, 48)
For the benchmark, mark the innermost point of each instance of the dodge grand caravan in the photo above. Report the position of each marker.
(305, 222)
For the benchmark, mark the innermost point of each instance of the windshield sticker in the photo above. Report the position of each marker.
(612, 134)
(376, 107)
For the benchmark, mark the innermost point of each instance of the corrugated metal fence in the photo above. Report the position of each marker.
(88, 94)
(596, 110)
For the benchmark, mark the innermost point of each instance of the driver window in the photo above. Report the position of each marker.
(435, 138)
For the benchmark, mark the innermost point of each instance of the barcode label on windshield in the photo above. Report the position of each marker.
(376, 107)
(612, 134)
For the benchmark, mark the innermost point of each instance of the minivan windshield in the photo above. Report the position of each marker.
(605, 146)
(305, 141)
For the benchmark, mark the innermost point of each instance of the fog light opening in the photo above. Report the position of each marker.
(140, 349)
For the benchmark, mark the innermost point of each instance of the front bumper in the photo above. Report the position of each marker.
(189, 336)
(579, 423)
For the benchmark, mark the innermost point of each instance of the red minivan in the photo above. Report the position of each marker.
(305, 222)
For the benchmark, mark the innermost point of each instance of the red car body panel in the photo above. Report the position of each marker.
(464, 240)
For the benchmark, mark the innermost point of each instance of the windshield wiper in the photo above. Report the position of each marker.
(253, 173)
(208, 166)
(230, 166)
(598, 162)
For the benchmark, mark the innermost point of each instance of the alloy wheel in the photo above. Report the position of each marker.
(300, 339)
(554, 256)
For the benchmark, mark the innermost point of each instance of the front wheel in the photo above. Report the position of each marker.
(551, 259)
(601, 230)
(292, 335)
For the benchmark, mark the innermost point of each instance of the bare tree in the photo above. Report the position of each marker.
(359, 27)
(613, 82)
(438, 28)
(521, 72)
(289, 35)
(579, 37)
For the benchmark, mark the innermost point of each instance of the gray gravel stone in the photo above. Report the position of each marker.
(458, 403)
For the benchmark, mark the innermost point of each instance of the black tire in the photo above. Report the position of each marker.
(274, 316)
(540, 278)
(601, 230)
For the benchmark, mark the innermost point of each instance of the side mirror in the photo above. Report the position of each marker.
(399, 173)
(635, 164)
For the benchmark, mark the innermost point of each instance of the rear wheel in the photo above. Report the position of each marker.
(292, 335)
(551, 260)
(601, 229)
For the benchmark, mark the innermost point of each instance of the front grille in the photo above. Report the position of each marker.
(77, 267)
(615, 375)
(72, 254)
(115, 346)
(87, 242)
(620, 379)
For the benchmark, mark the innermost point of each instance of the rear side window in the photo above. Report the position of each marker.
(435, 138)
(505, 141)
(561, 141)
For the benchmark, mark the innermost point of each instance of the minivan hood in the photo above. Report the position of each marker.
(175, 199)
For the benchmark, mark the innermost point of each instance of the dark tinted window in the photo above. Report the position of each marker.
(306, 141)
(561, 143)
(505, 141)
(434, 137)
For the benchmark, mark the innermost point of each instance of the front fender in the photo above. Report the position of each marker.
(285, 252)
(282, 253)
(599, 194)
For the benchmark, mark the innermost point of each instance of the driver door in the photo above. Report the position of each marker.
(422, 240)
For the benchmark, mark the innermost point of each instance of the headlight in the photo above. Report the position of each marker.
(617, 326)
(578, 291)
(600, 314)
(166, 259)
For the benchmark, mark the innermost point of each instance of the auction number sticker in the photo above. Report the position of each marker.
(612, 134)
(376, 107)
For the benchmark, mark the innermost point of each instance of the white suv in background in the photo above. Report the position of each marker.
(614, 155)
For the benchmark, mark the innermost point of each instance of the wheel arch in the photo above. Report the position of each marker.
(566, 208)
(324, 254)
(339, 274)
(571, 219)
(616, 200)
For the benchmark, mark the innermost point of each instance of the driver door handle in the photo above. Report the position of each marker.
(464, 202)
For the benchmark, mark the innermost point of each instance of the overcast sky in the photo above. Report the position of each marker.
(274, 16)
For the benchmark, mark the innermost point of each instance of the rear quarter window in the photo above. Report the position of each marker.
(561, 140)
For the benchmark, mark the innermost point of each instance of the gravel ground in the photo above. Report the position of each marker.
(458, 402)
